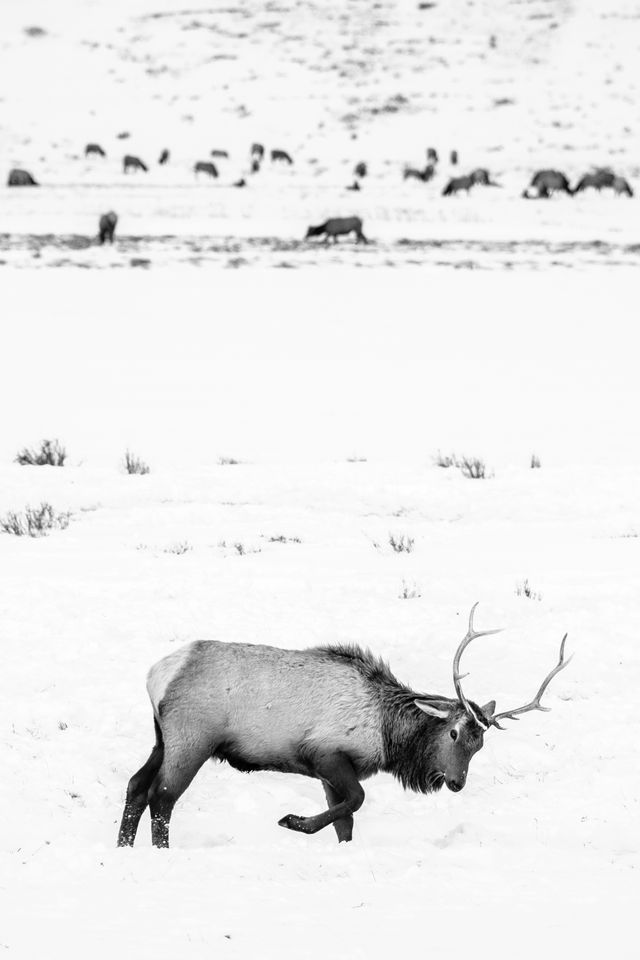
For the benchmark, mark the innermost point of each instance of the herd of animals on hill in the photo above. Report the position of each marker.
(543, 185)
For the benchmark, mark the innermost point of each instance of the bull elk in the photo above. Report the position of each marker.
(334, 713)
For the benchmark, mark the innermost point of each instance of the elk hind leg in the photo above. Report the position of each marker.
(179, 767)
(137, 793)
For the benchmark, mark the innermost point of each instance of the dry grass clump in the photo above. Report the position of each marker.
(50, 454)
(134, 464)
(525, 589)
(473, 468)
(409, 591)
(401, 544)
(34, 521)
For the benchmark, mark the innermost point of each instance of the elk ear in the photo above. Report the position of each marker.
(442, 709)
(489, 709)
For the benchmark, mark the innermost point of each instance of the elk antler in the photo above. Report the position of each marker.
(457, 676)
(535, 703)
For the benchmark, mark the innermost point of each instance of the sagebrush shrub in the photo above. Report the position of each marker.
(51, 454)
(34, 521)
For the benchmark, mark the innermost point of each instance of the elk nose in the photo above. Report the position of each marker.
(456, 785)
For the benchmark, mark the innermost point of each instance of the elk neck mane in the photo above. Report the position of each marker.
(409, 735)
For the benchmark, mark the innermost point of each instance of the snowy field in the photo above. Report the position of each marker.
(291, 419)
(334, 398)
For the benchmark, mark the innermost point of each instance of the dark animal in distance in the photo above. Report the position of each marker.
(240, 183)
(336, 714)
(482, 178)
(281, 155)
(257, 150)
(205, 166)
(457, 184)
(21, 178)
(432, 155)
(130, 162)
(360, 169)
(602, 178)
(355, 186)
(222, 154)
(622, 187)
(107, 227)
(255, 165)
(411, 173)
(164, 157)
(94, 148)
(453, 158)
(338, 227)
(546, 183)
(124, 135)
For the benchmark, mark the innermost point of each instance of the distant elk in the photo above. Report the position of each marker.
(164, 157)
(220, 154)
(205, 166)
(432, 155)
(333, 713)
(257, 151)
(107, 227)
(479, 177)
(338, 227)
(130, 162)
(360, 169)
(21, 178)
(603, 178)
(94, 149)
(281, 156)
(411, 173)
(546, 183)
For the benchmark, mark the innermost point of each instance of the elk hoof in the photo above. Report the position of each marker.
(291, 822)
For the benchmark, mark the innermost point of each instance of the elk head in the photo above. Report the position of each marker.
(465, 723)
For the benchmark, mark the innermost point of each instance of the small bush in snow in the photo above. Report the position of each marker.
(228, 462)
(50, 454)
(535, 462)
(409, 592)
(133, 464)
(524, 590)
(179, 548)
(34, 522)
(283, 539)
(446, 460)
(239, 547)
(401, 544)
(473, 468)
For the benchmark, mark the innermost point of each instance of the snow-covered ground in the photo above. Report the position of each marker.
(300, 380)
(334, 389)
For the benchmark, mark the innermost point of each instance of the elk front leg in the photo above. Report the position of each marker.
(344, 826)
(338, 772)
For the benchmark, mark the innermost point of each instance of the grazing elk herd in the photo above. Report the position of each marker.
(543, 185)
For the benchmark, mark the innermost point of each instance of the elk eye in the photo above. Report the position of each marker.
(453, 734)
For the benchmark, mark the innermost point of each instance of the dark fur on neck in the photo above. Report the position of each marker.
(409, 735)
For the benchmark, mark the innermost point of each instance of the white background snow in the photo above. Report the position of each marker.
(335, 388)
